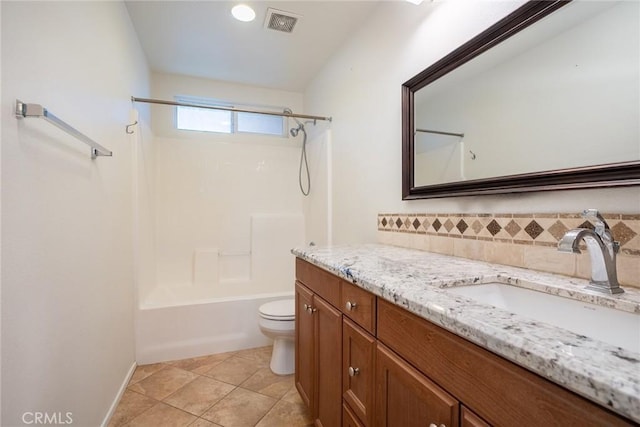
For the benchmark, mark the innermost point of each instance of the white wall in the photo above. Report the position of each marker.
(360, 88)
(67, 265)
(214, 190)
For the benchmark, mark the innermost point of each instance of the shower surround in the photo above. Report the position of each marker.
(217, 215)
(226, 216)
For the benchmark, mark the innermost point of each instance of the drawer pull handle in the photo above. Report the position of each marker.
(353, 371)
(434, 425)
(309, 308)
(350, 305)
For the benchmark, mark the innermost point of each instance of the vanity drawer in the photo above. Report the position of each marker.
(319, 281)
(500, 392)
(359, 305)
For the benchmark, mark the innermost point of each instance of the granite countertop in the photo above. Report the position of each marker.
(418, 281)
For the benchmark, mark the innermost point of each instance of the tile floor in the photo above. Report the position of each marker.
(229, 390)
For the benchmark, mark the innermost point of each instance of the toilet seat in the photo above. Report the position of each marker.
(281, 310)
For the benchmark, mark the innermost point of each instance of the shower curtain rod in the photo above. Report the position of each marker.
(438, 132)
(240, 110)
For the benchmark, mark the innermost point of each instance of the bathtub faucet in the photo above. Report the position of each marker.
(602, 252)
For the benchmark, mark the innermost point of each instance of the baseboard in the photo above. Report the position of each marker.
(121, 391)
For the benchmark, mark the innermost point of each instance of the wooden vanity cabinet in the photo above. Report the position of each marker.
(318, 375)
(411, 372)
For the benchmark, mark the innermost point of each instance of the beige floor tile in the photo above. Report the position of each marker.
(199, 395)
(234, 370)
(266, 382)
(187, 395)
(130, 406)
(240, 408)
(260, 355)
(164, 382)
(163, 415)
(144, 371)
(200, 365)
(292, 396)
(286, 414)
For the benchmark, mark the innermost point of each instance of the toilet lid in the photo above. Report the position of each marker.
(284, 309)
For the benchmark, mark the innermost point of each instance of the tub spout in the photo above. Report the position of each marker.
(602, 252)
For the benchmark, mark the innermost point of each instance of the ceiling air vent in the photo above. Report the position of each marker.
(280, 20)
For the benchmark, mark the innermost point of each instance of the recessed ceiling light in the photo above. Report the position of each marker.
(415, 1)
(243, 13)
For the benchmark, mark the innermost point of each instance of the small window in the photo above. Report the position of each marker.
(261, 123)
(222, 121)
(192, 118)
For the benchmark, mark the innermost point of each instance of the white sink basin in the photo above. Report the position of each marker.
(619, 328)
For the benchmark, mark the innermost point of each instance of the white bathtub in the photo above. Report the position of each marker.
(178, 323)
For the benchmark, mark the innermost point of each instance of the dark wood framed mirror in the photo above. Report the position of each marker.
(433, 92)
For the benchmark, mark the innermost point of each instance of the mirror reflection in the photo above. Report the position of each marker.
(563, 93)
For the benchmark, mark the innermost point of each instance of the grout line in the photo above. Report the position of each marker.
(143, 412)
(266, 413)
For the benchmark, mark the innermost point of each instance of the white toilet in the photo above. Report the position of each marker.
(277, 321)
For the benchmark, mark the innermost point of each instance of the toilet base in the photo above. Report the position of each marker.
(283, 356)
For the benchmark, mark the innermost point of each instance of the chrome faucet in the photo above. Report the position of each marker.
(602, 252)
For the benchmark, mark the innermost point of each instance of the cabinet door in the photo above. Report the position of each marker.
(358, 370)
(406, 398)
(305, 347)
(469, 419)
(328, 332)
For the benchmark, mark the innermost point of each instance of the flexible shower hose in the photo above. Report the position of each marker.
(303, 158)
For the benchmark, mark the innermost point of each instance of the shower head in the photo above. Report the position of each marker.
(294, 131)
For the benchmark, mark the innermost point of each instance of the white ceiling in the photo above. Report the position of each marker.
(201, 38)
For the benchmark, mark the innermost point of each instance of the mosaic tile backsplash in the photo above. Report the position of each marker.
(521, 240)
